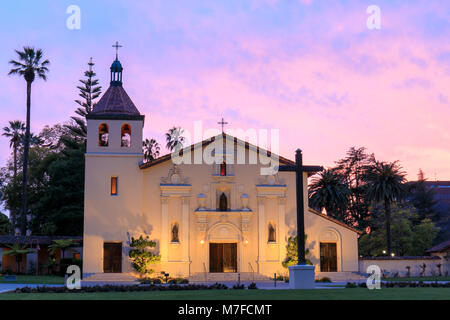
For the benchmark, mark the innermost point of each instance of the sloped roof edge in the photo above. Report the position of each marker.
(308, 168)
(335, 221)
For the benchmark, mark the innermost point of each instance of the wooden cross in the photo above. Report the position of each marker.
(222, 123)
(117, 46)
(298, 169)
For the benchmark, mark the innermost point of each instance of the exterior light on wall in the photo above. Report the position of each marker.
(384, 251)
(246, 241)
(202, 241)
(392, 254)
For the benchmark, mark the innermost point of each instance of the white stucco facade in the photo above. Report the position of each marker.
(151, 199)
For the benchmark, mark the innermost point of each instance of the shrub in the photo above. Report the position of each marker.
(252, 286)
(350, 285)
(324, 279)
(141, 257)
(122, 288)
(238, 286)
(218, 286)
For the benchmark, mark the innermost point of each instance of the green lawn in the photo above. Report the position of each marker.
(324, 294)
(418, 279)
(26, 279)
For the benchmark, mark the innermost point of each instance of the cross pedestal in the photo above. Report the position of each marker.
(301, 277)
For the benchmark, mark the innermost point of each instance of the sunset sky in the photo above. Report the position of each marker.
(310, 68)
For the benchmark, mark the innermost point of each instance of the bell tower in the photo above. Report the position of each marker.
(113, 180)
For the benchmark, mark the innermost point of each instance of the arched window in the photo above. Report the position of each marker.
(272, 235)
(223, 169)
(223, 202)
(103, 135)
(175, 229)
(125, 136)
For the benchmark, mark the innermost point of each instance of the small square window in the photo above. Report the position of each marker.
(114, 186)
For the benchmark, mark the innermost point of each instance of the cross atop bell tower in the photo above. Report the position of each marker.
(117, 46)
(116, 68)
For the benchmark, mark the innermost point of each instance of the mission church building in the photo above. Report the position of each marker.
(209, 221)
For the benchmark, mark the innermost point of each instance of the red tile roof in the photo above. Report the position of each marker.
(115, 101)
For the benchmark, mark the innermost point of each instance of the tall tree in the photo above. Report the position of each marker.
(29, 65)
(175, 139)
(151, 149)
(14, 132)
(328, 190)
(5, 224)
(422, 198)
(352, 168)
(89, 91)
(385, 183)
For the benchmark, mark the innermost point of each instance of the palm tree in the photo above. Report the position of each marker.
(35, 140)
(61, 244)
(151, 149)
(175, 139)
(328, 190)
(385, 183)
(15, 132)
(28, 66)
(18, 251)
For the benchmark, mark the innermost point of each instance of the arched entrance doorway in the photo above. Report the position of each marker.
(224, 247)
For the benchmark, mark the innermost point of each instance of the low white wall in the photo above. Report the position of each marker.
(398, 265)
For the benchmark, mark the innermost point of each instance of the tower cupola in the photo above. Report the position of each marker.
(116, 69)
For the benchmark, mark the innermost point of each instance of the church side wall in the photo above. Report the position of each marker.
(111, 218)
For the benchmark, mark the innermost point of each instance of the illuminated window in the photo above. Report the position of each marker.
(103, 135)
(77, 255)
(272, 236)
(223, 169)
(125, 136)
(114, 186)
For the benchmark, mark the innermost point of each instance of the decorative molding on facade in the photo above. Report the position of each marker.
(186, 201)
(175, 190)
(202, 221)
(164, 200)
(271, 180)
(244, 202)
(223, 179)
(245, 221)
(216, 213)
(201, 201)
(272, 190)
(174, 177)
(260, 200)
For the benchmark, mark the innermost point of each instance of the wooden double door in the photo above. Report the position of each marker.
(112, 257)
(328, 257)
(223, 257)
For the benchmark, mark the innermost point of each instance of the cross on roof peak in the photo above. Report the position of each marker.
(117, 46)
(222, 123)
